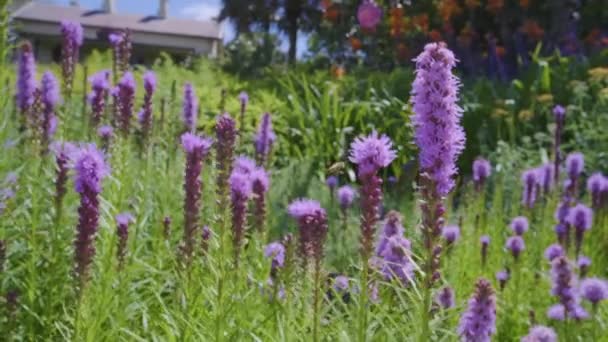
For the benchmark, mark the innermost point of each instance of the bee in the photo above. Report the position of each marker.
(336, 168)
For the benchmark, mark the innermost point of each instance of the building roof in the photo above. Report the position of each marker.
(41, 12)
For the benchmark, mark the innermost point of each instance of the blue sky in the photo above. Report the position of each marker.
(195, 9)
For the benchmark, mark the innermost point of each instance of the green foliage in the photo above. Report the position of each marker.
(251, 53)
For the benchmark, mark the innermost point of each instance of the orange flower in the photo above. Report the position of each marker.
(332, 13)
(435, 36)
(532, 29)
(396, 22)
(355, 43)
(494, 6)
(524, 3)
(337, 71)
(449, 9)
(421, 22)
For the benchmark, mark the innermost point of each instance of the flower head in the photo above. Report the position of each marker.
(530, 182)
(545, 176)
(597, 184)
(105, 132)
(244, 97)
(91, 169)
(369, 15)
(516, 245)
(445, 298)
(346, 195)
(554, 251)
(72, 32)
(192, 143)
(478, 323)
(559, 112)
(26, 77)
(436, 119)
(190, 107)
(540, 333)
(244, 164)
(451, 233)
(276, 252)
(580, 217)
(594, 290)
(124, 219)
(150, 81)
(332, 182)
(50, 89)
(575, 163)
(519, 225)
(481, 170)
(265, 137)
(372, 153)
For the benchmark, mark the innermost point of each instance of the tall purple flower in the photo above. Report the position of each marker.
(91, 169)
(540, 333)
(575, 164)
(65, 154)
(244, 100)
(564, 287)
(529, 179)
(545, 177)
(519, 225)
(478, 323)
(516, 245)
(260, 185)
(396, 260)
(145, 119)
(312, 224)
(225, 133)
(581, 218)
(196, 148)
(123, 221)
(370, 153)
(240, 192)
(481, 171)
(369, 15)
(189, 108)
(126, 100)
(264, 139)
(100, 86)
(73, 37)
(49, 89)
(26, 78)
(121, 46)
(559, 113)
(597, 185)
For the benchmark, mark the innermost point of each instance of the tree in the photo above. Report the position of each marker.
(298, 15)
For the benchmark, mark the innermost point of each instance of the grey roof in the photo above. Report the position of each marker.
(35, 11)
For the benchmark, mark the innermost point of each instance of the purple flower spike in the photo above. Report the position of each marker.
(225, 133)
(123, 221)
(554, 251)
(481, 171)
(276, 252)
(190, 108)
(519, 225)
(445, 298)
(196, 148)
(516, 245)
(451, 234)
(49, 89)
(545, 177)
(26, 78)
(594, 290)
(145, 119)
(240, 192)
(369, 15)
(502, 277)
(575, 163)
(126, 99)
(312, 224)
(100, 86)
(73, 37)
(438, 133)
(346, 196)
(90, 169)
(396, 260)
(581, 218)
(392, 227)
(478, 323)
(370, 153)
(260, 184)
(65, 153)
(264, 139)
(597, 186)
(540, 333)
(564, 287)
(530, 182)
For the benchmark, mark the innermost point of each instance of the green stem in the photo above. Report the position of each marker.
(317, 285)
(363, 298)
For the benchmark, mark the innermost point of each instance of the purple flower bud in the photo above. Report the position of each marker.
(581, 218)
(240, 192)
(332, 182)
(530, 182)
(91, 169)
(369, 15)
(560, 113)
(503, 278)
(26, 78)
(451, 234)
(123, 221)
(594, 290)
(196, 148)
(540, 333)
(519, 225)
(244, 97)
(554, 251)
(481, 171)
(597, 185)
(516, 245)
(445, 298)
(190, 108)
(264, 139)
(583, 264)
(341, 283)
(346, 195)
(478, 323)
(436, 119)
(276, 252)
